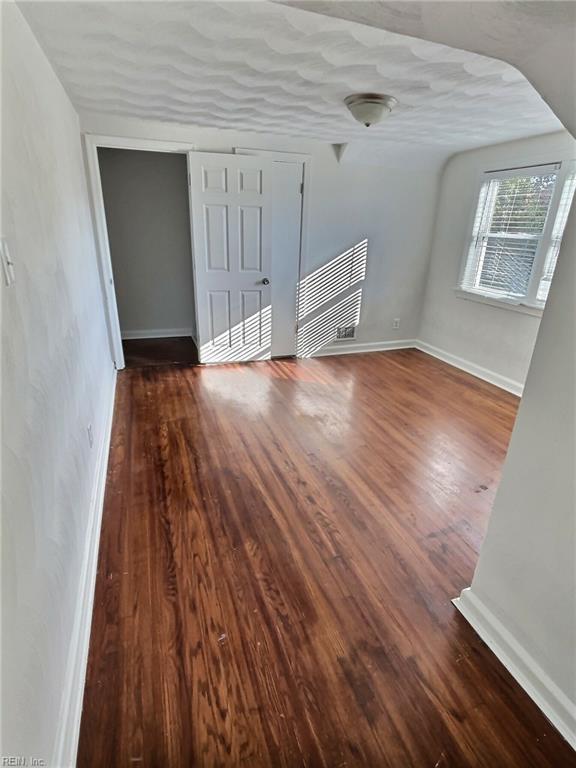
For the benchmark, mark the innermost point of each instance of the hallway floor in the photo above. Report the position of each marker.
(280, 545)
(142, 353)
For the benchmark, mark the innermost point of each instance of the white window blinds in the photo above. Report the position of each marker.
(509, 226)
(556, 237)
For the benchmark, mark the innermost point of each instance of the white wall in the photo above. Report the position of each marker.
(393, 206)
(148, 221)
(498, 339)
(57, 377)
(526, 575)
(523, 595)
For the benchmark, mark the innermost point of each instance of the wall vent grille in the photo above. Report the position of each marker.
(345, 332)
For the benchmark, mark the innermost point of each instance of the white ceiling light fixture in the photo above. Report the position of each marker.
(370, 108)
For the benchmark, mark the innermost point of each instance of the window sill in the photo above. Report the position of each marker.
(526, 309)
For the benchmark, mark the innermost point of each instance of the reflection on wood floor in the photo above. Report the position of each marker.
(280, 545)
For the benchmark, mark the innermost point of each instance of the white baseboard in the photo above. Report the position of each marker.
(66, 745)
(545, 693)
(515, 387)
(157, 333)
(353, 347)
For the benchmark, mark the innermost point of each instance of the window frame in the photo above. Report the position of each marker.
(530, 303)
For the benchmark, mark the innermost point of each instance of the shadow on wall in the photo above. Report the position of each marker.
(328, 299)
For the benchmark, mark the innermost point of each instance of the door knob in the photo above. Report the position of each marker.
(265, 281)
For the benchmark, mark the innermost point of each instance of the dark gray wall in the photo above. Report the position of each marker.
(146, 204)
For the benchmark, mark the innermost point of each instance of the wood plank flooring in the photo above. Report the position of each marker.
(140, 353)
(280, 545)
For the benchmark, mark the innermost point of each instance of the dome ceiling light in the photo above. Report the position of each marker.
(370, 108)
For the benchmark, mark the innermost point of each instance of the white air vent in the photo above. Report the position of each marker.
(345, 332)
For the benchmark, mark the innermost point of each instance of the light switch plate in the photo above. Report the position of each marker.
(7, 263)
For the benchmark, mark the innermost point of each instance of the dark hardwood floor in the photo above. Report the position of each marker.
(141, 353)
(280, 545)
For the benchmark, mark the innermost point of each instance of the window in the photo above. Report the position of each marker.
(517, 232)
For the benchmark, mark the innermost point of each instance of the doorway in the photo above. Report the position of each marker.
(145, 197)
(262, 230)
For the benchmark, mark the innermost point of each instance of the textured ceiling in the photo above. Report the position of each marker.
(258, 66)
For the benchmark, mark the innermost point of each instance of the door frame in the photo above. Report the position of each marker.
(306, 160)
(92, 142)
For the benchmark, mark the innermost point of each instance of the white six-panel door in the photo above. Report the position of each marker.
(231, 202)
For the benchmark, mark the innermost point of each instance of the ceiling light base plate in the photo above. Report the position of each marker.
(370, 108)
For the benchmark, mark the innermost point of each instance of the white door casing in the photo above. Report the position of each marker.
(286, 238)
(231, 216)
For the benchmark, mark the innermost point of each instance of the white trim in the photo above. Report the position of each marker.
(91, 144)
(351, 348)
(275, 154)
(493, 301)
(103, 251)
(193, 251)
(540, 169)
(528, 303)
(553, 702)
(158, 333)
(510, 385)
(144, 145)
(66, 744)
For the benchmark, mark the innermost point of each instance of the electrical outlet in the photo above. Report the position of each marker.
(90, 435)
(7, 263)
(396, 323)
